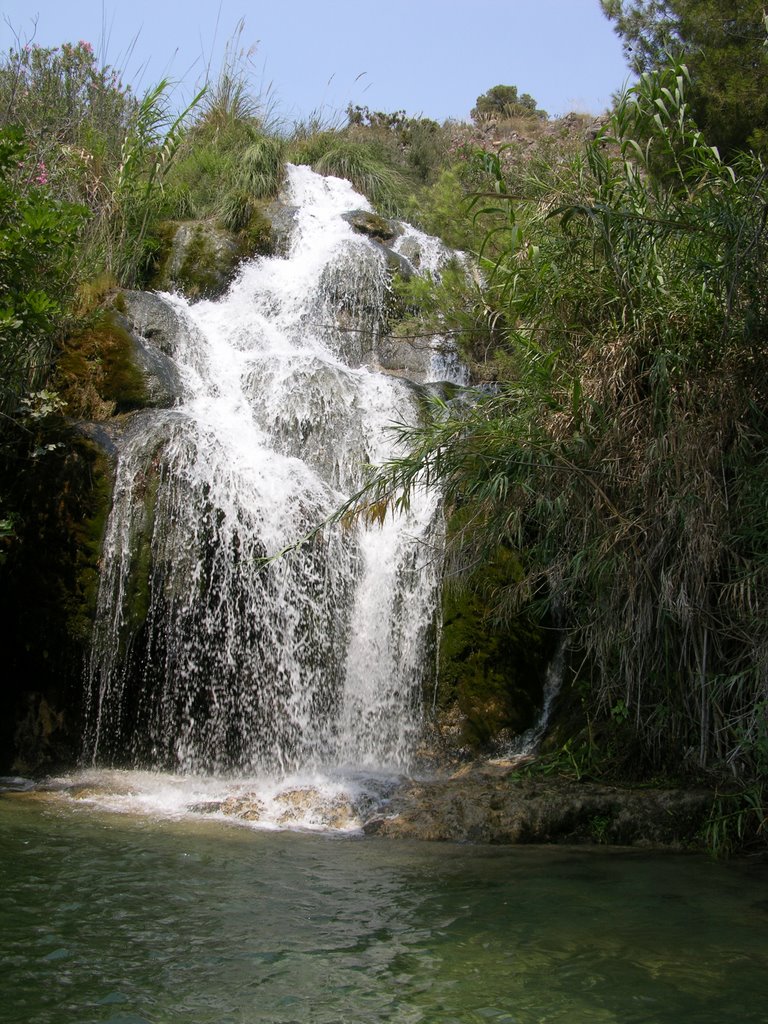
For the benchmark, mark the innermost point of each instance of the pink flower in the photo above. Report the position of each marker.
(42, 174)
(85, 46)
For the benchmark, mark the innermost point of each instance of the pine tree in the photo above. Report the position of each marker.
(723, 43)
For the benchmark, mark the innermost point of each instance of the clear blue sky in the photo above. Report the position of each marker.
(430, 57)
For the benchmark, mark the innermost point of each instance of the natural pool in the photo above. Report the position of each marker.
(125, 919)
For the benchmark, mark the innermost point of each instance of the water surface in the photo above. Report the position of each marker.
(123, 919)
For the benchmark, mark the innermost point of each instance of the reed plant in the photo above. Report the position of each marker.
(624, 454)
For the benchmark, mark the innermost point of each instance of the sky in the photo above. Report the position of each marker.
(309, 58)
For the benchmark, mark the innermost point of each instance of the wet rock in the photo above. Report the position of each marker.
(104, 435)
(154, 319)
(310, 805)
(396, 262)
(161, 377)
(496, 804)
(15, 784)
(246, 806)
(282, 218)
(409, 357)
(156, 329)
(410, 250)
(206, 807)
(43, 734)
(373, 225)
(86, 792)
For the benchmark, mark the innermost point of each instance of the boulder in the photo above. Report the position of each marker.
(373, 225)
(201, 261)
(154, 319)
(407, 357)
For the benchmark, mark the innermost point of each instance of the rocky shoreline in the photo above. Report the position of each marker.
(495, 803)
(486, 802)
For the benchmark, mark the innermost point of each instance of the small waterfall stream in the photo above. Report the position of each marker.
(206, 660)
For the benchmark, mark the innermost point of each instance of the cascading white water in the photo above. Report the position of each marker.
(206, 658)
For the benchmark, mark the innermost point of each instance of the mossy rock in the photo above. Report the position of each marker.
(110, 368)
(373, 225)
(197, 259)
(257, 237)
(48, 590)
(492, 672)
(97, 373)
(200, 259)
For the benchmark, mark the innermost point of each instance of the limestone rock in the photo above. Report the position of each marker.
(246, 806)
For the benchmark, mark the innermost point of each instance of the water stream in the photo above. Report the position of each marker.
(207, 660)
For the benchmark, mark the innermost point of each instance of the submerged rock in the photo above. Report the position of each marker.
(310, 805)
(206, 807)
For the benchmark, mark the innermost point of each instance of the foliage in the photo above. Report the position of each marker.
(724, 47)
(738, 819)
(504, 101)
(37, 237)
(367, 167)
(74, 114)
(417, 144)
(233, 155)
(147, 154)
(624, 455)
(94, 143)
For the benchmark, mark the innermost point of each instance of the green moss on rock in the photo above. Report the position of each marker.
(48, 590)
(492, 672)
(256, 238)
(96, 373)
(199, 258)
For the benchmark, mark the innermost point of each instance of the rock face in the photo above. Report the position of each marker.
(282, 219)
(494, 804)
(153, 319)
(155, 328)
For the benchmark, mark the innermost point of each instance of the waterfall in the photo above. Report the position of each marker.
(528, 742)
(209, 656)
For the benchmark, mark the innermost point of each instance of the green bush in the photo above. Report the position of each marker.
(38, 234)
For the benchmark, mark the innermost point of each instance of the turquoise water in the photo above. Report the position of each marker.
(120, 919)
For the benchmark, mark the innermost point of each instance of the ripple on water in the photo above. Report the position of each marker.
(108, 916)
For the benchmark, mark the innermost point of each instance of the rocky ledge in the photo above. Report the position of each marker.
(496, 803)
